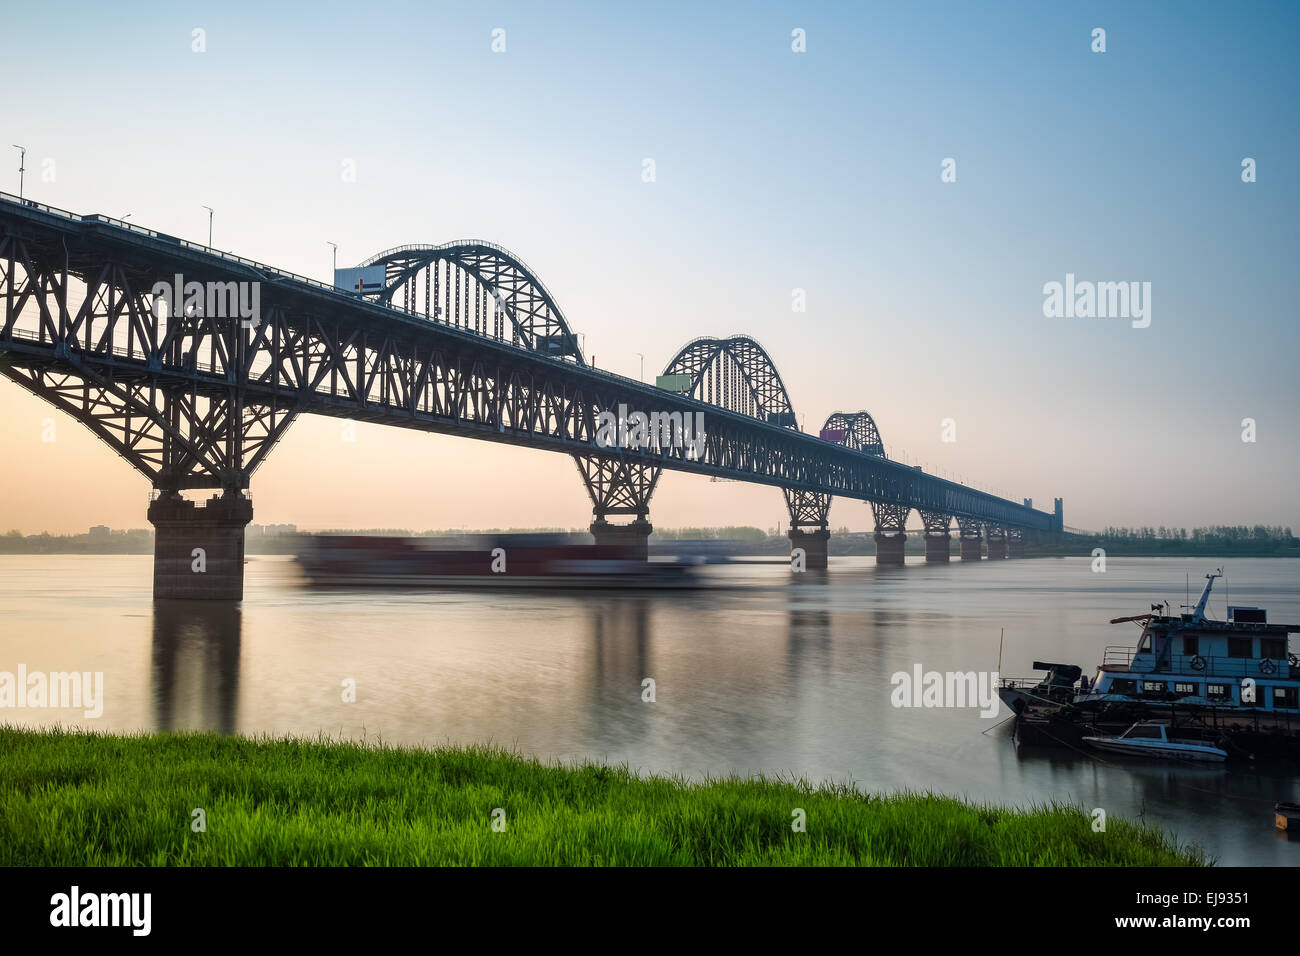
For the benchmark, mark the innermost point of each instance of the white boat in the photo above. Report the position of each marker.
(1153, 740)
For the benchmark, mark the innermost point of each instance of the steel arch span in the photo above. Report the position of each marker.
(477, 285)
(737, 374)
(860, 432)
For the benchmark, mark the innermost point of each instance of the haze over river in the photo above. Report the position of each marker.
(778, 673)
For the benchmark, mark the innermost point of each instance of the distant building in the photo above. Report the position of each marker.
(98, 531)
(271, 530)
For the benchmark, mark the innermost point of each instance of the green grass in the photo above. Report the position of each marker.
(70, 798)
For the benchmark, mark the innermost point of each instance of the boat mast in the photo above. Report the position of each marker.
(1199, 613)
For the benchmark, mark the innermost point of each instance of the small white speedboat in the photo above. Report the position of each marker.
(1153, 740)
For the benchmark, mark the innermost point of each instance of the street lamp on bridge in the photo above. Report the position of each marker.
(22, 162)
(209, 209)
(336, 259)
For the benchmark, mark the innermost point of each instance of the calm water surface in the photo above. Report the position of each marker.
(777, 674)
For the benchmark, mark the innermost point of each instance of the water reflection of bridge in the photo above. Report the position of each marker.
(195, 665)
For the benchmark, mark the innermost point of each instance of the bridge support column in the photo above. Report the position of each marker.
(969, 539)
(1015, 543)
(809, 513)
(890, 537)
(937, 538)
(198, 552)
(618, 486)
(889, 548)
(938, 548)
(633, 538)
(997, 542)
(815, 544)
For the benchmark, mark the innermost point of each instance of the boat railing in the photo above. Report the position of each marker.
(1117, 655)
(1196, 666)
(1019, 683)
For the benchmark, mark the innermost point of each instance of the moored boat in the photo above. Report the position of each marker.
(1151, 740)
(1231, 684)
(1239, 666)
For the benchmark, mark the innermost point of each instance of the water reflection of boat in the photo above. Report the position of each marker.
(1152, 740)
(489, 561)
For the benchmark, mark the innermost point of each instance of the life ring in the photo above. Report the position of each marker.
(1197, 663)
(1293, 660)
(1266, 666)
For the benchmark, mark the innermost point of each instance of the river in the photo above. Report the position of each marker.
(775, 673)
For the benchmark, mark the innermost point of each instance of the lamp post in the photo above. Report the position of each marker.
(336, 261)
(641, 376)
(209, 209)
(22, 162)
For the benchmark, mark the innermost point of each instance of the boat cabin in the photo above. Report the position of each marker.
(1243, 662)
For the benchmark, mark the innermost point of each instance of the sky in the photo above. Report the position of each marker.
(775, 171)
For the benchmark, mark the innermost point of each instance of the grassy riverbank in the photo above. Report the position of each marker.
(72, 799)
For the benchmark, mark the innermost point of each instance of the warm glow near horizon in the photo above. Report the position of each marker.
(775, 173)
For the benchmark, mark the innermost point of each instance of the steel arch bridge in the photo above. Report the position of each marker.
(469, 283)
(463, 339)
(860, 432)
(737, 374)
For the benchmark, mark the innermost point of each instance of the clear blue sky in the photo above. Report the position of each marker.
(775, 171)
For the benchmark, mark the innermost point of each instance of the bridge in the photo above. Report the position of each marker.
(191, 363)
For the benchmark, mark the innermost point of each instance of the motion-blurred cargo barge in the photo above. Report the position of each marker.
(484, 561)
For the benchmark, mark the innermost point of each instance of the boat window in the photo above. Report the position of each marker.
(1218, 692)
(1123, 686)
(1144, 733)
(1191, 646)
(1239, 647)
(1272, 647)
(1153, 687)
(1144, 645)
(1186, 690)
(1286, 697)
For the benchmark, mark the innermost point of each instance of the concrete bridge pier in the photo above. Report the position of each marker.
(969, 544)
(937, 539)
(890, 537)
(938, 548)
(809, 513)
(1015, 543)
(620, 486)
(634, 537)
(997, 542)
(890, 548)
(815, 544)
(198, 552)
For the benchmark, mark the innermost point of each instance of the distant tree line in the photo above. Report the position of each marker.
(1213, 539)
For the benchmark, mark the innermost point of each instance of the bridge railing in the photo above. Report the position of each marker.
(164, 237)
